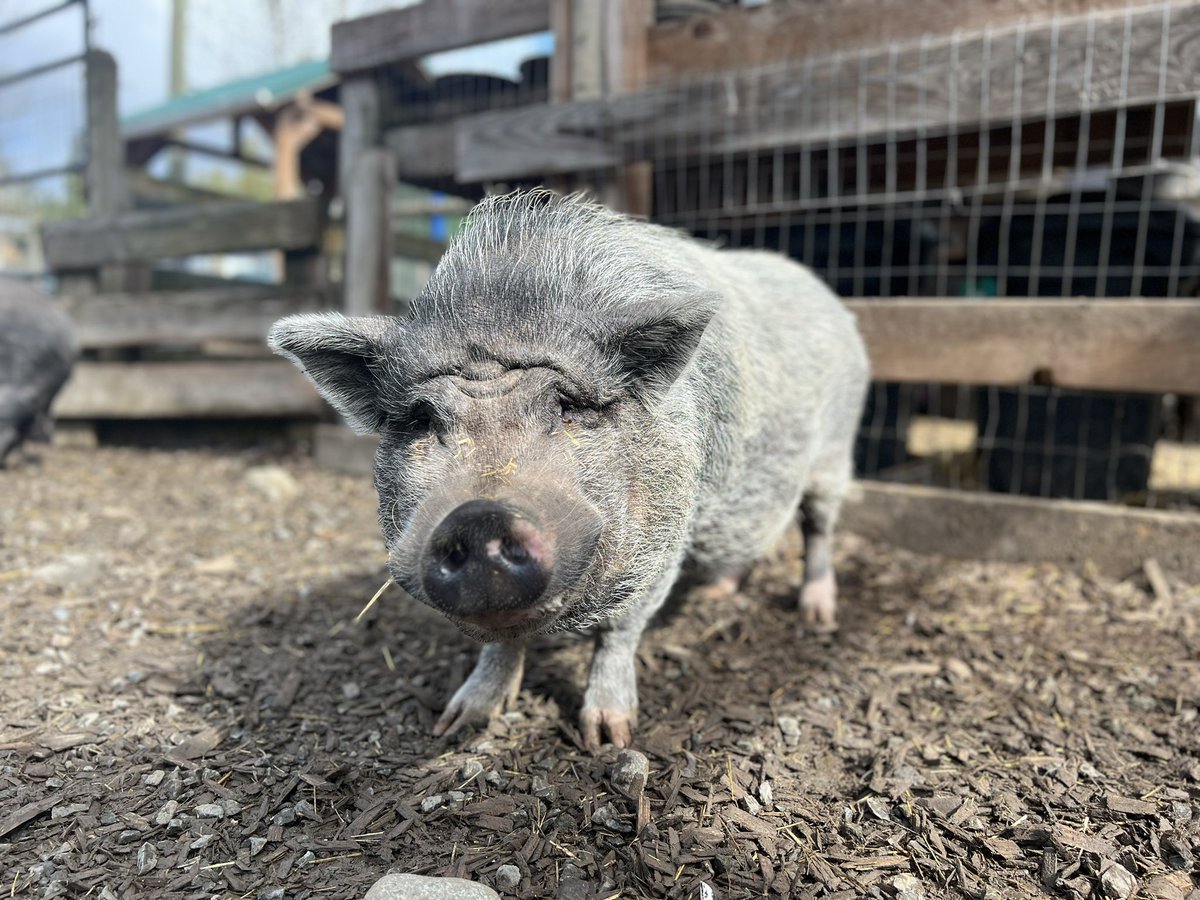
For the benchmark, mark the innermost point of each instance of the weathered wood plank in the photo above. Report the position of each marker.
(211, 228)
(961, 82)
(431, 27)
(411, 246)
(238, 313)
(742, 37)
(368, 233)
(1130, 345)
(176, 390)
(107, 190)
(423, 152)
(1116, 539)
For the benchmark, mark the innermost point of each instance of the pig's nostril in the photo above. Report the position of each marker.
(456, 557)
(513, 552)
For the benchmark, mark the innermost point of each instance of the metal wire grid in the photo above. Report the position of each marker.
(1030, 167)
(884, 189)
(43, 125)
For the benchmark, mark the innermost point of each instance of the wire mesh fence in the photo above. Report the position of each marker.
(43, 124)
(1055, 158)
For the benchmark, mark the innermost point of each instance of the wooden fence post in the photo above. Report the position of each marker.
(368, 232)
(365, 181)
(105, 181)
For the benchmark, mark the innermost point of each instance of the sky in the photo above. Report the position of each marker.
(41, 119)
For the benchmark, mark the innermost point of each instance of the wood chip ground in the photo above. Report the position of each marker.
(188, 710)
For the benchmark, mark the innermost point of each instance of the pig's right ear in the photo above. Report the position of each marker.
(338, 354)
(655, 341)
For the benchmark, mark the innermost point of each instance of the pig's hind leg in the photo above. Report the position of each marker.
(819, 508)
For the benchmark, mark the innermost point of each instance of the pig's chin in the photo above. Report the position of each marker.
(510, 624)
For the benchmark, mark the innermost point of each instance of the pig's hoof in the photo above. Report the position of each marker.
(721, 588)
(474, 703)
(616, 724)
(818, 604)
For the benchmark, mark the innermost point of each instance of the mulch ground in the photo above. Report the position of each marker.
(187, 709)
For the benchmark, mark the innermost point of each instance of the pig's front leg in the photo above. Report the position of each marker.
(610, 703)
(493, 684)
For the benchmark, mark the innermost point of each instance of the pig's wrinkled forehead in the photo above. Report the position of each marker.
(431, 345)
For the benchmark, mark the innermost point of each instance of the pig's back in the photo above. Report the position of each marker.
(784, 372)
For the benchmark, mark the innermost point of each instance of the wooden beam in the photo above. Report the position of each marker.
(368, 196)
(959, 83)
(431, 27)
(148, 191)
(211, 228)
(1121, 345)
(178, 390)
(411, 246)
(423, 152)
(784, 30)
(1115, 539)
(236, 313)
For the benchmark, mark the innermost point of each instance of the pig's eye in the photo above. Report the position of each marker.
(573, 413)
(419, 420)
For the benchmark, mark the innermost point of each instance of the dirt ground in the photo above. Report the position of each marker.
(187, 709)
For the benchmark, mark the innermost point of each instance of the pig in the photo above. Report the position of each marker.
(582, 410)
(37, 352)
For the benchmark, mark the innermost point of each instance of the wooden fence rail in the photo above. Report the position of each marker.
(1123, 345)
(184, 231)
(959, 82)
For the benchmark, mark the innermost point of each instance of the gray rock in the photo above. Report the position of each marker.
(71, 569)
(351, 690)
(285, 816)
(908, 887)
(1118, 882)
(275, 893)
(307, 859)
(231, 807)
(766, 794)
(470, 770)
(256, 845)
(507, 877)
(167, 813)
(273, 482)
(422, 887)
(629, 771)
(147, 858)
(154, 779)
(210, 811)
(432, 802)
(573, 889)
(201, 842)
(608, 816)
(129, 836)
(790, 726)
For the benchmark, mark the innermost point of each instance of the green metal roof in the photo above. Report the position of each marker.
(266, 90)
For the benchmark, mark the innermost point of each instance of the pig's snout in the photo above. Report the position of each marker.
(485, 561)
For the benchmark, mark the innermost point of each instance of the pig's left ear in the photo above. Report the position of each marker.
(656, 341)
(338, 354)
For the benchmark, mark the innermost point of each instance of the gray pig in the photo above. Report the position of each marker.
(583, 410)
(37, 351)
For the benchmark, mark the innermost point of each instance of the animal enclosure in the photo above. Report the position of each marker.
(1011, 210)
(194, 701)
